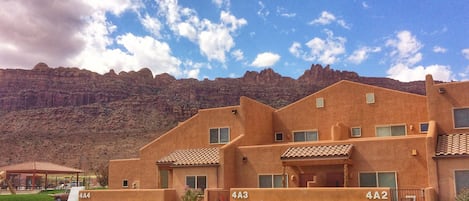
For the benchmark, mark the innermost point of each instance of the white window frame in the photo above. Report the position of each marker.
(305, 131)
(454, 118)
(376, 176)
(273, 180)
(196, 182)
(420, 127)
(320, 102)
(219, 135)
(370, 98)
(125, 181)
(275, 136)
(390, 127)
(351, 131)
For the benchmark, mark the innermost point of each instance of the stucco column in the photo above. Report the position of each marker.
(284, 183)
(345, 175)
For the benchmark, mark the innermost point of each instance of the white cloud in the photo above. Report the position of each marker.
(326, 51)
(192, 69)
(295, 49)
(438, 49)
(238, 54)
(34, 31)
(365, 5)
(222, 3)
(151, 24)
(361, 54)
(465, 52)
(325, 18)
(406, 48)
(284, 13)
(263, 12)
(265, 59)
(115, 7)
(405, 73)
(214, 39)
(136, 51)
(328, 18)
(405, 54)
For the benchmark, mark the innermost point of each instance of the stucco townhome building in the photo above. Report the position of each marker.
(349, 136)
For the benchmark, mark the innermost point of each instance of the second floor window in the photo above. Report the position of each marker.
(219, 135)
(390, 130)
(303, 136)
(461, 117)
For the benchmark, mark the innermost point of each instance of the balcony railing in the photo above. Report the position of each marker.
(407, 194)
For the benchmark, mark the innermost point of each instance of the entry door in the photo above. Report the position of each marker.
(335, 179)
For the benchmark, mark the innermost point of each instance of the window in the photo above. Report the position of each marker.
(319, 102)
(164, 178)
(423, 127)
(370, 98)
(461, 178)
(394, 130)
(378, 179)
(219, 135)
(125, 183)
(278, 137)
(356, 132)
(272, 181)
(196, 182)
(461, 117)
(302, 136)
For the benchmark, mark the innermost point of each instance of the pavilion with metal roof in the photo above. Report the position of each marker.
(35, 168)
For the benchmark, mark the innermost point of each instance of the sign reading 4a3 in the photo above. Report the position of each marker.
(240, 195)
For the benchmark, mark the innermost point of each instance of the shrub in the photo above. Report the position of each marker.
(463, 195)
(191, 195)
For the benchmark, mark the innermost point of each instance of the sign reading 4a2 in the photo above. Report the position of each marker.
(383, 195)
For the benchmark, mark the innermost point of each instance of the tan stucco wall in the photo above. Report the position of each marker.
(128, 169)
(344, 103)
(440, 105)
(310, 194)
(179, 177)
(446, 169)
(368, 155)
(193, 133)
(252, 131)
(258, 127)
(129, 195)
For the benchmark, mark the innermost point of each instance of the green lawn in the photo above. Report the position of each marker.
(42, 196)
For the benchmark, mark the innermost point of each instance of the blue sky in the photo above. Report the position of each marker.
(403, 40)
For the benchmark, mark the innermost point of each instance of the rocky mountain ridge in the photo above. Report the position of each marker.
(82, 119)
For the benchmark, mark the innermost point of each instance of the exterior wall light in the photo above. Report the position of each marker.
(234, 111)
(441, 90)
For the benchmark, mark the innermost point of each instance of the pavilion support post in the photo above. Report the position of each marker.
(45, 183)
(77, 179)
(346, 175)
(33, 181)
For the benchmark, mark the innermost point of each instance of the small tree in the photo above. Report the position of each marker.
(463, 195)
(191, 195)
(102, 174)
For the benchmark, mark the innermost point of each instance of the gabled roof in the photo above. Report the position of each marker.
(453, 145)
(40, 168)
(318, 152)
(192, 157)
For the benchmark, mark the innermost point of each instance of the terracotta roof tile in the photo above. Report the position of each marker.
(192, 157)
(453, 145)
(323, 151)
